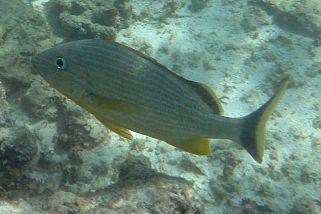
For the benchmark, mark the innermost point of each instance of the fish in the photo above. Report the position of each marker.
(128, 91)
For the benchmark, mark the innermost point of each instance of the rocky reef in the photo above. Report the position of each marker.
(73, 19)
(299, 17)
(57, 158)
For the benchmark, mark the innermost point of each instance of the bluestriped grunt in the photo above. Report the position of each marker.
(127, 90)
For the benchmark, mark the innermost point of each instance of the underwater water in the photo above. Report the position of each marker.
(56, 157)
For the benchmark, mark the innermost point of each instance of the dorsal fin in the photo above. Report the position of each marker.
(139, 53)
(209, 97)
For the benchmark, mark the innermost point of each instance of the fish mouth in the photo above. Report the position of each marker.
(33, 63)
(34, 69)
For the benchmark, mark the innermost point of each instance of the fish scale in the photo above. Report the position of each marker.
(145, 80)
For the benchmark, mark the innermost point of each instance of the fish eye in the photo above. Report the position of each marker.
(61, 63)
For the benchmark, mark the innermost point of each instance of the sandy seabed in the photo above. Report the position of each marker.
(57, 158)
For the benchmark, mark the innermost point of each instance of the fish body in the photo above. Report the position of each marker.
(127, 90)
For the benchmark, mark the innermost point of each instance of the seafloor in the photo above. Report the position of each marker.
(57, 158)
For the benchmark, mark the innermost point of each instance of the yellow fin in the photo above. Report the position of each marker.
(119, 130)
(195, 146)
(209, 96)
(216, 105)
(100, 102)
(113, 104)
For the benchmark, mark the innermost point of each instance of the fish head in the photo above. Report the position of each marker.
(57, 66)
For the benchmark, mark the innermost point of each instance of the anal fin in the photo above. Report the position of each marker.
(195, 146)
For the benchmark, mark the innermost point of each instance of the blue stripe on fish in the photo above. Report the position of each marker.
(126, 89)
(159, 79)
(153, 102)
(116, 74)
(166, 121)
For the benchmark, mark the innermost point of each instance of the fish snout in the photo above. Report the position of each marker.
(34, 63)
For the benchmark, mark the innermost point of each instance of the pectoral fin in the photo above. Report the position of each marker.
(115, 128)
(101, 102)
(113, 104)
(194, 146)
(120, 130)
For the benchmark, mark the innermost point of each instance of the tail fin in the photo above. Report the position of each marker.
(253, 131)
